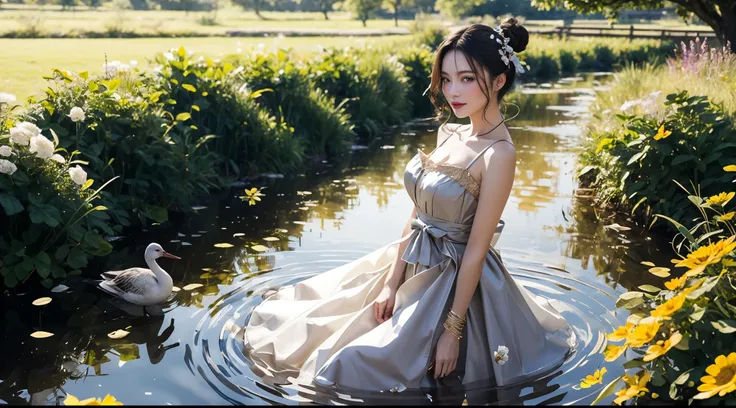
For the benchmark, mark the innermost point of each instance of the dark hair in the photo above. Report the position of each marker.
(476, 44)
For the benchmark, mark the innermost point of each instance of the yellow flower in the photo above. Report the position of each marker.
(643, 333)
(720, 199)
(706, 255)
(109, 400)
(613, 352)
(662, 347)
(676, 283)
(621, 333)
(252, 195)
(728, 262)
(727, 216)
(721, 378)
(730, 168)
(637, 387)
(661, 133)
(596, 378)
(669, 307)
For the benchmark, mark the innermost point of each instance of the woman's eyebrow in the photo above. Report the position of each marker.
(460, 72)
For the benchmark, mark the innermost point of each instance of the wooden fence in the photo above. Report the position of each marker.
(629, 32)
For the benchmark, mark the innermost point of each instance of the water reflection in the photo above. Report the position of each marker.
(554, 243)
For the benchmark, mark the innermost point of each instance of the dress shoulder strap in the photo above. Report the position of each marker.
(443, 142)
(477, 156)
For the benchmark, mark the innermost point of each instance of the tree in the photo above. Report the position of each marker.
(457, 8)
(325, 6)
(395, 5)
(255, 5)
(425, 6)
(720, 15)
(362, 8)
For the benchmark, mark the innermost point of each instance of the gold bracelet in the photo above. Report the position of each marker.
(453, 331)
(452, 313)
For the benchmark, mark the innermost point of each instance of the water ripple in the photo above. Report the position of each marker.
(216, 351)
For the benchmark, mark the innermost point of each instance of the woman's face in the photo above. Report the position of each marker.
(461, 87)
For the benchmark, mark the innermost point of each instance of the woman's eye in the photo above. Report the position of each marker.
(470, 79)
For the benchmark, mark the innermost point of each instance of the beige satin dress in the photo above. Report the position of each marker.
(322, 329)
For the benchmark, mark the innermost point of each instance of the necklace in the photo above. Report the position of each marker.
(484, 133)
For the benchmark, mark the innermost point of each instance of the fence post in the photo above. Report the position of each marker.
(631, 33)
(559, 33)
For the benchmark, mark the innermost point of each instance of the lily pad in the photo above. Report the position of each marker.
(299, 222)
(223, 245)
(304, 208)
(259, 248)
(283, 231)
(41, 334)
(59, 288)
(42, 301)
(647, 263)
(175, 289)
(192, 286)
(270, 239)
(118, 334)
(303, 193)
(659, 271)
(238, 234)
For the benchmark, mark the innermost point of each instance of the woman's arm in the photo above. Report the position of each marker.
(495, 189)
(396, 274)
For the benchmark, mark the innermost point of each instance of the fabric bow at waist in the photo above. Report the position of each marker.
(430, 233)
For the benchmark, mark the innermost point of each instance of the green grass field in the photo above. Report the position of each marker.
(26, 61)
(50, 19)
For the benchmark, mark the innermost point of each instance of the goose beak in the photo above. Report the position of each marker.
(168, 255)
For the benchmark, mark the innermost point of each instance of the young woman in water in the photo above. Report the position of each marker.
(439, 301)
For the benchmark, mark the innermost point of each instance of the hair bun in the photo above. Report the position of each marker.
(516, 33)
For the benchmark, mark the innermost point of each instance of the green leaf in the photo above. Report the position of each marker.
(698, 313)
(84, 75)
(189, 88)
(725, 326)
(183, 116)
(650, 288)
(156, 213)
(44, 213)
(10, 204)
(606, 391)
(195, 107)
(77, 258)
(43, 264)
(635, 363)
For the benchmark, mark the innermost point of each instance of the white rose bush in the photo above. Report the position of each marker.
(45, 204)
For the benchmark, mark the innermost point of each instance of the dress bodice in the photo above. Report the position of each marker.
(441, 191)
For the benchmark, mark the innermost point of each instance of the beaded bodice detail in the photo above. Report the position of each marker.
(460, 175)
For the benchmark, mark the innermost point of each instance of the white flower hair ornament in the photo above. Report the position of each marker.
(507, 52)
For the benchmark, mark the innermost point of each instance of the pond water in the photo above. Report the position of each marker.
(189, 352)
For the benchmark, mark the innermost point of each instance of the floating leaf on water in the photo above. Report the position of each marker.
(59, 288)
(299, 222)
(283, 231)
(303, 193)
(660, 271)
(180, 235)
(270, 239)
(223, 245)
(42, 301)
(118, 334)
(207, 269)
(616, 227)
(238, 234)
(351, 180)
(384, 147)
(41, 334)
(310, 204)
(175, 241)
(304, 208)
(184, 243)
(196, 235)
(259, 248)
(192, 286)
(175, 289)
(348, 188)
(647, 263)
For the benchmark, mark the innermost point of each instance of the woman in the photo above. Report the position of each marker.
(439, 301)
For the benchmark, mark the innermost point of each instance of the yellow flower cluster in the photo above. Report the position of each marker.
(637, 386)
(697, 260)
(108, 400)
(721, 199)
(721, 378)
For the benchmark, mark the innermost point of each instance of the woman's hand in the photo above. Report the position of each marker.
(448, 350)
(383, 307)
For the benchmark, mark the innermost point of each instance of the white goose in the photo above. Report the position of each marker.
(141, 286)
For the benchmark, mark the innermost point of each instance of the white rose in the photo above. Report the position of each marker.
(77, 114)
(502, 355)
(44, 148)
(7, 98)
(58, 158)
(23, 132)
(7, 167)
(5, 151)
(78, 175)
